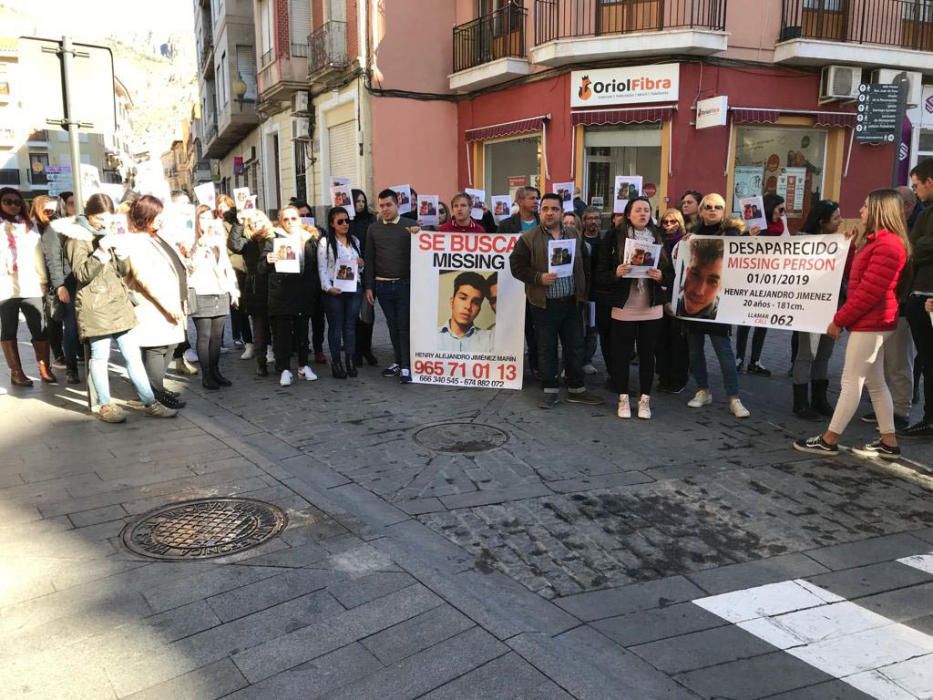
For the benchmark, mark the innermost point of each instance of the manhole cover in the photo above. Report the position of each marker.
(203, 529)
(461, 437)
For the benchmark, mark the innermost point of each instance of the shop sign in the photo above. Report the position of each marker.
(712, 112)
(878, 113)
(926, 106)
(625, 85)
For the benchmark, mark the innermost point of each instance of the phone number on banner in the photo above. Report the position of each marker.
(473, 373)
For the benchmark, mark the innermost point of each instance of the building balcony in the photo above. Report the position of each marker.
(571, 31)
(889, 33)
(490, 49)
(206, 62)
(327, 51)
(38, 137)
(235, 121)
(282, 76)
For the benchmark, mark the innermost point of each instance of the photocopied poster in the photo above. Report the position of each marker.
(476, 336)
(640, 257)
(791, 185)
(752, 210)
(339, 181)
(560, 254)
(206, 194)
(789, 282)
(564, 190)
(477, 202)
(241, 197)
(340, 196)
(347, 276)
(626, 187)
(285, 255)
(405, 205)
(748, 182)
(501, 207)
(118, 224)
(427, 209)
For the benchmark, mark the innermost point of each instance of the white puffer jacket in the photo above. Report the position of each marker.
(23, 274)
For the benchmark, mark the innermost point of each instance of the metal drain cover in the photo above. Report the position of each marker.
(204, 529)
(461, 438)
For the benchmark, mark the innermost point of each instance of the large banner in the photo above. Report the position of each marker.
(467, 311)
(789, 282)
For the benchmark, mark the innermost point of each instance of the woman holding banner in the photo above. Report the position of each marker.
(870, 316)
(811, 363)
(700, 296)
(637, 304)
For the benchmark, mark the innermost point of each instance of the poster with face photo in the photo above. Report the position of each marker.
(241, 197)
(285, 255)
(346, 278)
(339, 181)
(206, 194)
(118, 225)
(340, 196)
(477, 202)
(405, 205)
(564, 190)
(428, 205)
(752, 211)
(640, 257)
(626, 187)
(501, 207)
(560, 254)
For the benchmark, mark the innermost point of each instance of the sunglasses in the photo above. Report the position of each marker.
(780, 210)
(713, 207)
(290, 218)
(341, 222)
(670, 222)
(11, 202)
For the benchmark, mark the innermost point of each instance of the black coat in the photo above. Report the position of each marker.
(254, 293)
(615, 290)
(292, 294)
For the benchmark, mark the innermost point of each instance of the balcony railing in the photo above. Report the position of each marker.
(9, 176)
(266, 59)
(206, 49)
(566, 19)
(327, 47)
(500, 34)
(906, 24)
(38, 136)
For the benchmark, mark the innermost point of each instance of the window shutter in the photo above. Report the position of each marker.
(299, 21)
(342, 139)
(246, 67)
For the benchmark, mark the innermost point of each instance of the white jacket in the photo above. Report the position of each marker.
(30, 278)
(159, 281)
(327, 264)
(209, 268)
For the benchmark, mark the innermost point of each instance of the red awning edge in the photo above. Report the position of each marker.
(632, 115)
(754, 115)
(495, 131)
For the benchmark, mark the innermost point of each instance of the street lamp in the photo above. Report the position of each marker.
(239, 88)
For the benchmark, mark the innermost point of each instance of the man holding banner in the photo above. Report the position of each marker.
(554, 299)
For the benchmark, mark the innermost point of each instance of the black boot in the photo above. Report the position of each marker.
(819, 402)
(370, 358)
(336, 368)
(261, 369)
(351, 366)
(169, 399)
(219, 378)
(208, 381)
(802, 405)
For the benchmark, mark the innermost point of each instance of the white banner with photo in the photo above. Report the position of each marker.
(468, 329)
(788, 282)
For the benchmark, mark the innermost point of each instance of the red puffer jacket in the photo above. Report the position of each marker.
(871, 305)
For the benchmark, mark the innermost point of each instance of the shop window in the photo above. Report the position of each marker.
(785, 161)
(621, 16)
(512, 164)
(620, 150)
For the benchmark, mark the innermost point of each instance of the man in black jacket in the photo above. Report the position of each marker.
(525, 219)
(921, 268)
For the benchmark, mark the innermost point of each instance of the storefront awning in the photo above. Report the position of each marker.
(513, 128)
(630, 115)
(754, 115)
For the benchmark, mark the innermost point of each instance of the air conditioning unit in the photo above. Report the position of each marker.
(301, 127)
(887, 76)
(840, 83)
(300, 102)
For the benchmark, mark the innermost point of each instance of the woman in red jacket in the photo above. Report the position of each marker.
(870, 316)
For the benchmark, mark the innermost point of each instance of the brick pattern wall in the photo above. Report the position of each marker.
(282, 36)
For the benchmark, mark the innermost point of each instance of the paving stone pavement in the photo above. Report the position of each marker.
(557, 558)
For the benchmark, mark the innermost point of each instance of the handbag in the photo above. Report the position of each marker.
(192, 301)
(54, 308)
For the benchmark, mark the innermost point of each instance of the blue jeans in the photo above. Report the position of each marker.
(395, 300)
(342, 311)
(70, 343)
(100, 358)
(723, 348)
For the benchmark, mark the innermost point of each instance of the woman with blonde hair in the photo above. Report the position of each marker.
(700, 287)
(870, 316)
(211, 278)
(253, 240)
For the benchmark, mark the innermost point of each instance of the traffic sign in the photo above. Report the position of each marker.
(878, 113)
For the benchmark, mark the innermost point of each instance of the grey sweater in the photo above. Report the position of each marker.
(388, 251)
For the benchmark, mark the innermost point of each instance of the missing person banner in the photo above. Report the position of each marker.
(789, 282)
(468, 312)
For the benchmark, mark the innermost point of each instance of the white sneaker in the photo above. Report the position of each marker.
(700, 399)
(737, 409)
(625, 408)
(286, 378)
(644, 407)
(590, 369)
(248, 352)
(224, 349)
(307, 373)
(191, 355)
(270, 356)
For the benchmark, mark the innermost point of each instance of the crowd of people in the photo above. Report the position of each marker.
(285, 284)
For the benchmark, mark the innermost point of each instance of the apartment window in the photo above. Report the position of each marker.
(301, 170)
(785, 161)
(917, 10)
(336, 10)
(222, 80)
(246, 68)
(38, 162)
(299, 23)
(827, 5)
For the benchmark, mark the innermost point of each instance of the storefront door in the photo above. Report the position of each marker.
(620, 150)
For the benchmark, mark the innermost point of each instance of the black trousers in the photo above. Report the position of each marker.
(672, 356)
(32, 310)
(286, 331)
(758, 342)
(210, 335)
(318, 328)
(364, 337)
(156, 361)
(625, 336)
(922, 331)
